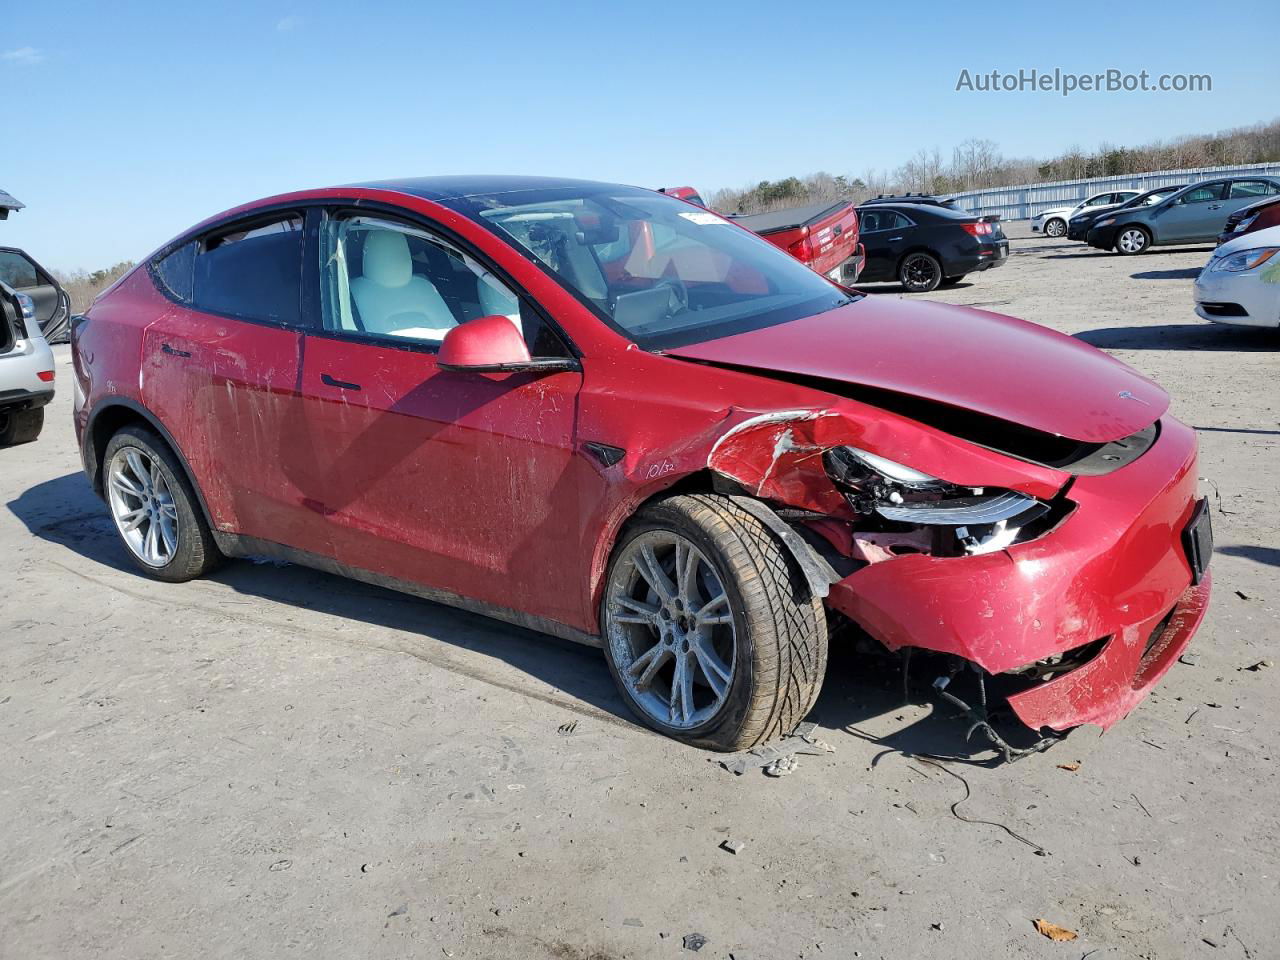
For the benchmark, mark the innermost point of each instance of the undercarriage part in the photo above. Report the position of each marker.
(980, 721)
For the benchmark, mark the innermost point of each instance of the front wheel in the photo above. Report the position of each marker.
(1132, 240)
(920, 273)
(710, 629)
(1055, 227)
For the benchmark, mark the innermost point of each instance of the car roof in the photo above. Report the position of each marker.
(925, 209)
(9, 202)
(454, 187)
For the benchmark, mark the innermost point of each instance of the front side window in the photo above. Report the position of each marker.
(17, 271)
(384, 279)
(659, 271)
(252, 271)
(1210, 191)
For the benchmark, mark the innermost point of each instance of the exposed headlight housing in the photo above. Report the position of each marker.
(1244, 260)
(981, 519)
(1244, 224)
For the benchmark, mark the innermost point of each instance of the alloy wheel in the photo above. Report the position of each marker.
(142, 506)
(1132, 241)
(919, 272)
(669, 623)
(1055, 228)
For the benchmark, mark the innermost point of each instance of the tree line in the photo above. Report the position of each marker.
(978, 164)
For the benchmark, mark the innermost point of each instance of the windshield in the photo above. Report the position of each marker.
(660, 271)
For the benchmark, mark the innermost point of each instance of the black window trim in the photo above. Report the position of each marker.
(306, 315)
(314, 210)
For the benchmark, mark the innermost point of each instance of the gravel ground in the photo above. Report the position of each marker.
(277, 760)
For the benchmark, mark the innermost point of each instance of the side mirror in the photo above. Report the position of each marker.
(492, 344)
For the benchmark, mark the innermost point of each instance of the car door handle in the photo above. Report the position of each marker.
(1215, 206)
(894, 239)
(165, 348)
(340, 384)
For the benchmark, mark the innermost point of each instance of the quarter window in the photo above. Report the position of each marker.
(17, 271)
(253, 271)
(176, 272)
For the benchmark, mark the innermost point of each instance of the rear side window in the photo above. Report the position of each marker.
(1252, 188)
(252, 271)
(17, 271)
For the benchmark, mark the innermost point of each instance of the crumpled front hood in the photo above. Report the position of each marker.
(966, 358)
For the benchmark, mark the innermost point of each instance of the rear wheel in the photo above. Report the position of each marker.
(1055, 227)
(20, 426)
(155, 509)
(710, 629)
(1132, 240)
(920, 273)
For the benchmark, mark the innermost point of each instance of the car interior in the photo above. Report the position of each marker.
(397, 282)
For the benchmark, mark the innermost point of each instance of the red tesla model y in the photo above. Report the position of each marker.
(614, 416)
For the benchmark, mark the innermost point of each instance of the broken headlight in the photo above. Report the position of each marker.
(981, 519)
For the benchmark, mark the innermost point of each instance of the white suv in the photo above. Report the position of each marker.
(26, 369)
(1053, 223)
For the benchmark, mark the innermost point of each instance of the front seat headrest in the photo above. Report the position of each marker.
(387, 261)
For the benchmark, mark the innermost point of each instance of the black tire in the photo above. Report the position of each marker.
(779, 625)
(952, 281)
(1132, 240)
(20, 426)
(920, 273)
(196, 552)
(1055, 227)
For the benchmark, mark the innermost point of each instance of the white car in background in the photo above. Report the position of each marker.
(1053, 222)
(1241, 282)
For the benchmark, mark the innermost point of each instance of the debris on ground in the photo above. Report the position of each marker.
(781, 767)
(1242, 595)
(765, 756)
(694, 941)
(1189, 659)
(1070, 767)
(567, 729)
(1053, 931)
(399, 911)
(1260, 665)
(280, 865)
(733, 846)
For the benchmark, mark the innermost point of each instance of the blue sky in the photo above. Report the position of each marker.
(135, 120)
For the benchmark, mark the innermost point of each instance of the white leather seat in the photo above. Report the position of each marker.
(391, 299)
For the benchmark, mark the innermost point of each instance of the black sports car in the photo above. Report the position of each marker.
(925, 245)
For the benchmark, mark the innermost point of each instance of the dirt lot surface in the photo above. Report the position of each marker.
(277, 762)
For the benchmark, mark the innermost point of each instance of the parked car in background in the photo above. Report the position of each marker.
(822, 236)
(1261, 215)
(1241, 282)
(26, 369)
(52, 304)
(9, 203)
(1082, 223)
(683, 193)
(1194, 214)
(1053, 222)
(923, 246)
(594, 411)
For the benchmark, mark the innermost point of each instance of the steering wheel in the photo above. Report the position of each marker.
(679, 293)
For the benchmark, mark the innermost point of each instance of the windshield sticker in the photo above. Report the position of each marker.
(701, 217)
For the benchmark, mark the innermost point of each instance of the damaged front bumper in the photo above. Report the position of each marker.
(1115, 574)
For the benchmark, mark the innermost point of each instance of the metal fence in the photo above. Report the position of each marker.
(1025, 201)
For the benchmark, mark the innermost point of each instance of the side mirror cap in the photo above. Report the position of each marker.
(492, 344)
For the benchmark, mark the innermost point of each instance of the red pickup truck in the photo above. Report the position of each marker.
(823, 236)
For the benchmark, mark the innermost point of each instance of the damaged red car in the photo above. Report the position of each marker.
(616, 417)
